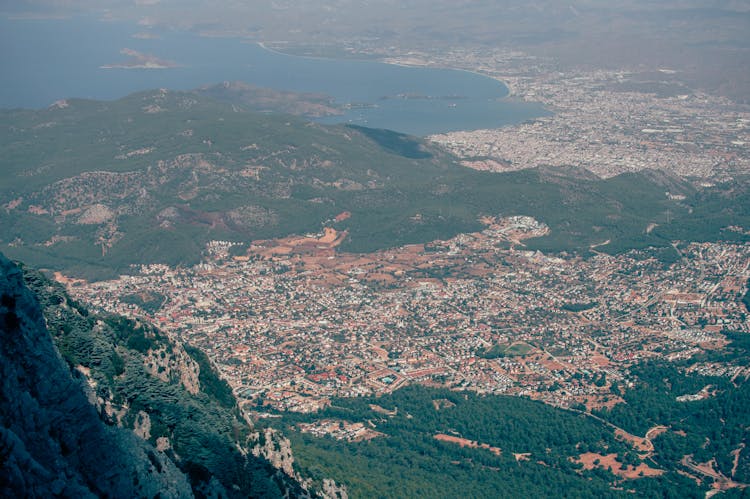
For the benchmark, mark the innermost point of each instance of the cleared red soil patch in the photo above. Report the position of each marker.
(638, 443)
(463, 442)
(610, 461)
(596, 402)
(600, 360)
(708, 469)
(382, 410)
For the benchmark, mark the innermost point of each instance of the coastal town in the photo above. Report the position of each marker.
(607, 121)
(292, 322)
(354, 249)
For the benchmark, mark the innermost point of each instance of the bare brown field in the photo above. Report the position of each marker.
(591, 460)
(463, 442)
(597, 402)
(638, 443)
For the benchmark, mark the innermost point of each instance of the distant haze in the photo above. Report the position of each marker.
(706, 40)
(54, 59)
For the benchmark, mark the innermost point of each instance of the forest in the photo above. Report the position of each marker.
(539, 445)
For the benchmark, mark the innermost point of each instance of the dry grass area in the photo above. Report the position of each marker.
(638, 443)
(383, 410)
(323, 243)
(598, 402)
(442, 404)
(68, 281)
(329, 236)
(463, 442)
(591, 460)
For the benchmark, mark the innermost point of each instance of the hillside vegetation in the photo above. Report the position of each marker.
(168, 395)
(92, 187)
(539, 449)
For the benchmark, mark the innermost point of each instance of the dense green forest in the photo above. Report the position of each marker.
(709, 428)
(410, 462)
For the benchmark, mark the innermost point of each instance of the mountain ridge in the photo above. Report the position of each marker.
(52, 439)
(113, 408)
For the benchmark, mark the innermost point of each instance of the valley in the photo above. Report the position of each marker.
(320, 265)
(344, 249)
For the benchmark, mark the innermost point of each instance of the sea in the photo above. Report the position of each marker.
(45, 60)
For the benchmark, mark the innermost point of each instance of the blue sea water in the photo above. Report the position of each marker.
(42, 61)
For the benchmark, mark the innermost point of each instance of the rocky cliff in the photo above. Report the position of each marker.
(105, 406)
(52, 441)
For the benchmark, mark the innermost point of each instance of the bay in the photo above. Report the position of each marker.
(44, 60)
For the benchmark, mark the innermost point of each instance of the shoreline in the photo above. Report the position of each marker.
(470, 71)
(380, 60)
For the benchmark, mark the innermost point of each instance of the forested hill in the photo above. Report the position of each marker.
(91, 187)
(427, 442)
(112, 408)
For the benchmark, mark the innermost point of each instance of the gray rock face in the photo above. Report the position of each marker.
(52, 441)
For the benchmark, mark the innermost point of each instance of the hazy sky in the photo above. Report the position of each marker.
(184, 12)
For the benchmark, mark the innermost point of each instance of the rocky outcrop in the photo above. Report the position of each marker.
(174, 365)
(333, 490)
(101, 405)
(277, 449)
(52, 441)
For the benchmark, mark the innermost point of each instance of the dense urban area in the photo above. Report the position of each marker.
(606, 121)
(295, 322)
(292, 324)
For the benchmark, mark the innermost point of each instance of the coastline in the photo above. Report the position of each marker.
(403, 64)
(310, 57)
(396, 62)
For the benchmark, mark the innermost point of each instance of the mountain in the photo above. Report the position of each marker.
(101, 406)
(52, 440)
(93, 187)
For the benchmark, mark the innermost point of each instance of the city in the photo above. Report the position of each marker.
(291, 325)
(607, 121)
(375, 249)
(294, 322)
